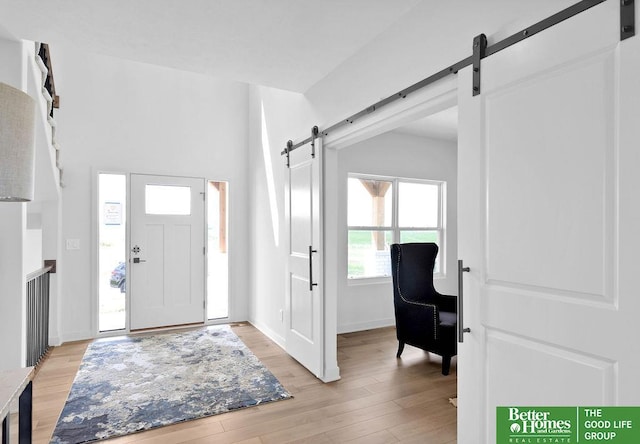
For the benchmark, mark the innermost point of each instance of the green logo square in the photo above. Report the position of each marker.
(567, 425)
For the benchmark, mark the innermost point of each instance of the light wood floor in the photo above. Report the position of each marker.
(378, 400)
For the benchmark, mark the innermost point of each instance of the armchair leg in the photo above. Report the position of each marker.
(446, 365)
(400, 348)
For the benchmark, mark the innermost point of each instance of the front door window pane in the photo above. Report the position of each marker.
(168, 200)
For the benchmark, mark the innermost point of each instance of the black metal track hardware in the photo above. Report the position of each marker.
(626, 7)
(287, 150)
(547, 23)
(479, 50)
(314, 135)
(627, 19)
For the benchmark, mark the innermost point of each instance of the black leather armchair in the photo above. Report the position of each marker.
(424, 317)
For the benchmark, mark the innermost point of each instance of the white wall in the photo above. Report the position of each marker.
(33, 250)
(122, 116)
(363, 303)
(284, 113)
(33, 239)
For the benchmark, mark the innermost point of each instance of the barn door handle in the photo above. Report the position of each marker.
(461, 329)
(311, 283)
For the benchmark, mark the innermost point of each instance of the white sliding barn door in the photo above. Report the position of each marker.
(305, 303)
(549, 223)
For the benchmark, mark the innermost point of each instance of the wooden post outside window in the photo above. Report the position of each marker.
(222, 212)
(223, 216)
(377, 189)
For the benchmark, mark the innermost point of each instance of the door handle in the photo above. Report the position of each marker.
(137, 260)
(311, 283)
(461, 329)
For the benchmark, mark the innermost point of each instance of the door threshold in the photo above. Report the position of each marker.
(167, 328)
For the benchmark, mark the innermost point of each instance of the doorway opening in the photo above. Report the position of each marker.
(114, 264)
(415, 155)
(398, 186)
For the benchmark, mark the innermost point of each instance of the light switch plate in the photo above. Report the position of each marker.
(73, 244)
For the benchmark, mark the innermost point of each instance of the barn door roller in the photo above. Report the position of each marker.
(627, 19)
(314, 136)
(479, 51)
(287, 150)
(315, 132)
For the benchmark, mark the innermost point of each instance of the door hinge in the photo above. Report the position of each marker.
(479, 50)
(204, 250)
(627, 19)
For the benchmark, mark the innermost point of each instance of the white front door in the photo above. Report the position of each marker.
(549, 173)
(304, 307)
(166, 251)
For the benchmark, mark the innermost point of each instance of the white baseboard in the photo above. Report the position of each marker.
(279, 340)
(369, 325)
(76, 336)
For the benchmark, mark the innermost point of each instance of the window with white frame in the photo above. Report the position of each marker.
(383, 211)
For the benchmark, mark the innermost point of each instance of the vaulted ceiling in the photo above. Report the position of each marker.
(287, 44)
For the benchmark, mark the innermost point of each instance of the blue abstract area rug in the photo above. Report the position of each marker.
(130, 384)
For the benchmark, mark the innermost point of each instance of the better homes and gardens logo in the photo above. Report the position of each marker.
(535, 424)
(567, 425)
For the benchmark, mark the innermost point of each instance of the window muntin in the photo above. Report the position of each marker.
(382, 211)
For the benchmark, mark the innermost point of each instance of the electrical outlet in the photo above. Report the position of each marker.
(281, 315)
